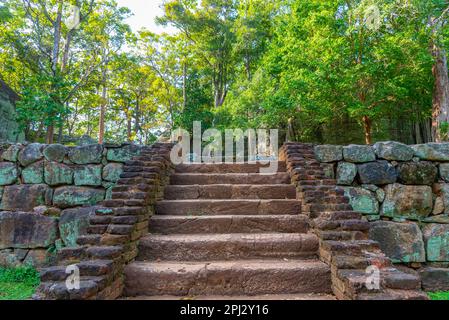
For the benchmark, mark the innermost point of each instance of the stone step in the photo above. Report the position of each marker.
(229, 224)
(264, 297)
(226, 167)
(198, 247)
(224, 207)
(229, 178)
(230, 191)
(244, 277)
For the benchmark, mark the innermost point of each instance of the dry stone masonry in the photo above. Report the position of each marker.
(46, 194)
(404, 192)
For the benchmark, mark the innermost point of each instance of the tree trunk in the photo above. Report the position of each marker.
(367, 128)
(184, 86)
(129, 128)
(440, 101)
(102, 109)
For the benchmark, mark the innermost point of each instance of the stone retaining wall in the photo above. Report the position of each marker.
(47, 193)
(404, 192)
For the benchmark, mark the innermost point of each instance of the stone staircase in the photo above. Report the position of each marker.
(224, 231)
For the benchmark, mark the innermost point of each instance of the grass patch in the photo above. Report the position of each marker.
(439, 295)
(18, 283)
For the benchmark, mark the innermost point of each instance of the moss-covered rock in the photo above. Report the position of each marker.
(55, 152)
(417, 173)
(436, 238)
(411, 202)
(8, 173)
(432, 151)
(112, 172)
(56, 173)
(12, 153)
(394, 151)
(362, 200)
(86, 154)
(358, 153)
(71, 196)
(401, 242)
(25, 197)
(34, 173)
(378, 173)
(88, 175)
(31, 153)
(73, 223)
(346, 173)
(123, 154)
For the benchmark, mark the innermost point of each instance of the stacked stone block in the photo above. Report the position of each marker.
(343, 232)
(113, 232)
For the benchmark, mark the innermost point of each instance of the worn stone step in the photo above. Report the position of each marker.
(229, 224)
(265, 297)
(244, 277)
(230, 191)
(227, 167)
(198, 247)
(229, 178)
(223, 207)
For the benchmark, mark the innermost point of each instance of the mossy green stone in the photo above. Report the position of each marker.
(57, 174)
(88, 175)
(362, 200)
(71, 196)
(34, 173)
(8, 173)
(11, 153)
(112, 172)
(123, 154)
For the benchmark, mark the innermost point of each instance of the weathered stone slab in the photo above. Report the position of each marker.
(25, 197)
(394, 151)
(26, 230)
(436, 237)
(55, 152)
(420, 173)
(328, 153)
(442, 190)
(346, 173)
(379, 173)
(11, 153)
(435, 279)
(86, 154)
(401, 242)
(123, 154)
(328, 170)
(34, 173)
(112, 171)
(362, 200)
(8, 173)
(88, 175)
(412, 202)
(444, 171)
(56, 173)
(31, 153)
(432, 151)
(70, 196)
(358, 153)
(73, 223)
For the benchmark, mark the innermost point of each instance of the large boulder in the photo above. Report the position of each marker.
(26, 230)
(434, 279)
(328, 153)
(411, 202)
(362, 200)
(31, 153)
(112, 171)
(401, 242)
(55, 152)
(123, 154)
(25, 197)
(34, 173)
(379, 173)
(394, 151)
(73, 223)
(346, 173)
(420, 173)
(56, 173)
(86, 154)
(436, 237)
(88, 175)
(432, 151)
(358, 153)
(12, 153)
(70, 196)
(8, 173)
